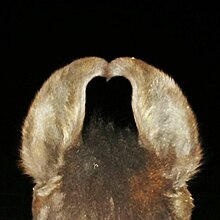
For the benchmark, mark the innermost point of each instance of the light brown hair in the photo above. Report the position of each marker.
(108, 174)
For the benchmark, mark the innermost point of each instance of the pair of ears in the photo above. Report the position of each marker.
(165, 122)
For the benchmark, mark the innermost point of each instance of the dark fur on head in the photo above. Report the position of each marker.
(111, 173)
(110, 176)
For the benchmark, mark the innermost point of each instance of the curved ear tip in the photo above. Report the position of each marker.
(90, 63)
(121, 60)
(125, 62)
(119, 65)
(91, 59)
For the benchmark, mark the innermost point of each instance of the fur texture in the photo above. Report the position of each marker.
(111, 174)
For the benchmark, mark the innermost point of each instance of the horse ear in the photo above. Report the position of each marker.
(55, 118)
(166, 124)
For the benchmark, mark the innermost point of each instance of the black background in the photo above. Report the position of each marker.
(38, 37)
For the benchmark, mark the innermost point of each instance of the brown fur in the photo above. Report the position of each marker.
(110, 174)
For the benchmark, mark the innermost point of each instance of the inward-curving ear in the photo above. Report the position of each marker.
(166, 124)
(55, 118)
